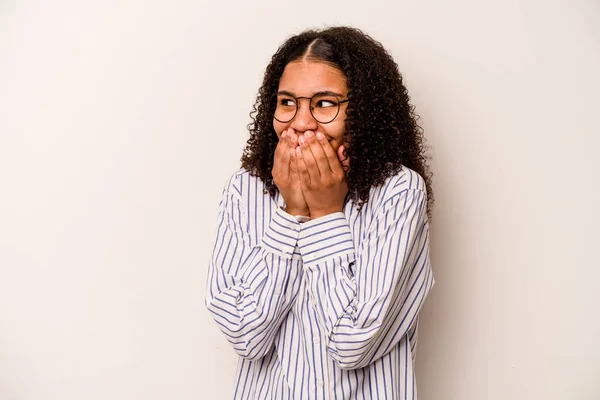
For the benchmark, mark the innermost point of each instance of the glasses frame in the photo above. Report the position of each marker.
(310, 108)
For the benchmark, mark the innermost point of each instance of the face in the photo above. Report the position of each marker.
(304, 79)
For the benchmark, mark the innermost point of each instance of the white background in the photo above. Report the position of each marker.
(121, 120)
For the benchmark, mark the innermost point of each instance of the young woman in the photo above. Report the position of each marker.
(321, 261)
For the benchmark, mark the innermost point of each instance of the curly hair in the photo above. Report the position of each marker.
(381, 126)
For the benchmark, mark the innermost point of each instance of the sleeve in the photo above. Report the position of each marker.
(251, 288)
(367, 300)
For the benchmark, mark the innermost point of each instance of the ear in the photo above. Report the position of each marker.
(344, 160)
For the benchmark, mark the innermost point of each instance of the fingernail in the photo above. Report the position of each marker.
(308, 134)
(320, 136)
(301, 139)
(283, 135)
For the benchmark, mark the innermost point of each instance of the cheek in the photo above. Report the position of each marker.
(336, 133)
(279, 127)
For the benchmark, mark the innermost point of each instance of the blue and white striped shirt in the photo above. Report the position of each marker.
(325, 309)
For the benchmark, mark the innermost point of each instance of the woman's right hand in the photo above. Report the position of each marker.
(285, 174)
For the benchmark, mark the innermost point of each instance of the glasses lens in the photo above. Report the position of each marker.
(286, 108)
(325, 108)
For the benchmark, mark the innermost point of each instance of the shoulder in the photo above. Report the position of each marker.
(401, 192)
(242, 184)
(404, 181)
(402, 196)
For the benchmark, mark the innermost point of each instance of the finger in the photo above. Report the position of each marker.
(286, 139)
(331, 157)
(279, 150)
(302, 170)
(316, 147)
(284, 167)
(309, 159)
(292, 144)
(292, 138)
(293, 157)
(294, 171)
(279, 146)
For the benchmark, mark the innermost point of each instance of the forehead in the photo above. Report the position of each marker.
(304, 78)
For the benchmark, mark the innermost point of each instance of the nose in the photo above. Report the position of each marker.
(304, 121)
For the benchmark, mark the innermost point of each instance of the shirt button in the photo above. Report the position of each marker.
(320, 383)
(285, 249)
(277, 292)
(316, 340)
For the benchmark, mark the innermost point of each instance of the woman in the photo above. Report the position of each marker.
(321, 261)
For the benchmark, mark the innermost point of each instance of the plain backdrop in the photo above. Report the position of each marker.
(121, 120)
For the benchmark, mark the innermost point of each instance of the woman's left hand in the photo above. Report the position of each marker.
(322, 175)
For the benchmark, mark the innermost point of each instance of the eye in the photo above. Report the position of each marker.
(325, 103)
(287, 102)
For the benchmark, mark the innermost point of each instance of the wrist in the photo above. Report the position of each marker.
(321, 213)
(297, 212)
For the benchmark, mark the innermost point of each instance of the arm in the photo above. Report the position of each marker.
(367, 300)
(251, 288)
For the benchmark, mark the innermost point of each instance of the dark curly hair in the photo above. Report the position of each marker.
(381, 125)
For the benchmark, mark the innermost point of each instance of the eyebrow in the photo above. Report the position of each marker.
(321, 93)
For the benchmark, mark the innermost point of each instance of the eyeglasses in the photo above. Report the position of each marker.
(324, 107)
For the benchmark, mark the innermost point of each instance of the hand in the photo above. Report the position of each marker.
(285, 174)
(321, 174)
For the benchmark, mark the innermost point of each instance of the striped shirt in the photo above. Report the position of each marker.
(325, 309)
